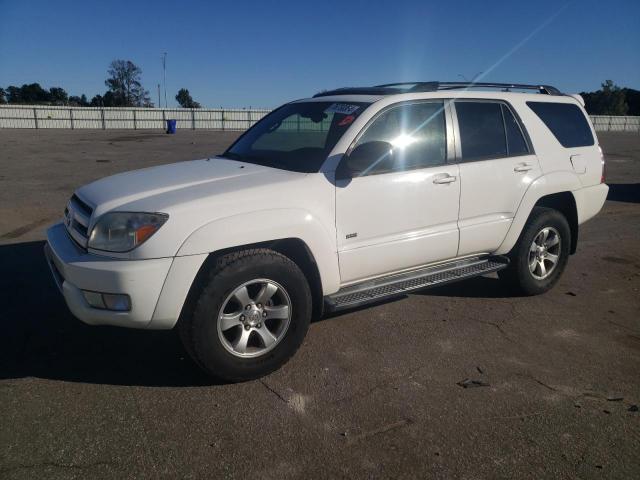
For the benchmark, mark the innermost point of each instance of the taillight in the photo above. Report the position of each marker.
(603, 177)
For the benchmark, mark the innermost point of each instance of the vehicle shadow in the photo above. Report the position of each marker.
(40, 338)
(624, 192)
(476, 287)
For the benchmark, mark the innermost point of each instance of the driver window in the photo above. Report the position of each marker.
(416, 133)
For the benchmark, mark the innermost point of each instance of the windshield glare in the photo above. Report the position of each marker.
(297, 136)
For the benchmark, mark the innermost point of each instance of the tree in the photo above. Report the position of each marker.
(609, 100)
(33, 93)
(3, 96)
(184, 99)
(14, 94)
(97, 101)
(125, 85)
(633, 100)
(80, 101)
(58, 96)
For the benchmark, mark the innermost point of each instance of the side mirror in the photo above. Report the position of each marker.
(366, 157)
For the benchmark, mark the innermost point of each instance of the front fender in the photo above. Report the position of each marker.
(548, 184)
(268, 225)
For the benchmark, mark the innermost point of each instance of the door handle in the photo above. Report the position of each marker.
(523, 167)
(444, 178)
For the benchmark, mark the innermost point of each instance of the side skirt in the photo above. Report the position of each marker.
(402, 283)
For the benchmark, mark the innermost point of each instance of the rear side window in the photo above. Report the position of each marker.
(566, 121)
(481, 130)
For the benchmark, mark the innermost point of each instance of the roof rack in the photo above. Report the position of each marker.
(412, 87)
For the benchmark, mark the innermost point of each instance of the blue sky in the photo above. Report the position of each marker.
(263, 53)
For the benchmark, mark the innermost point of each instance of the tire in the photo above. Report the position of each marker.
(518, 275)
(235, 336)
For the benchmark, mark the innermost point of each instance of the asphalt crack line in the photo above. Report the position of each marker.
(274, 391)
(500, 329)
(378, 431)
(511, 417)
(20, 231)
(538, 381)
(76, 466)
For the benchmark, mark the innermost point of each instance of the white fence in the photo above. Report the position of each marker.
(39, 116)
(609, 123)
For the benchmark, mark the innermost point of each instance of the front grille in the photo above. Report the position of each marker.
(77, 216)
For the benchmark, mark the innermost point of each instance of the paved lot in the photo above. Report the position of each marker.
(371, 393)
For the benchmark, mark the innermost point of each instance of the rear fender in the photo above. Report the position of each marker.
(548, 184)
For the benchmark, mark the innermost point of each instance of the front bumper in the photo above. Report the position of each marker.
(75, 270)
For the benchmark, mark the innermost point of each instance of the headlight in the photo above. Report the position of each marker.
(124, 231)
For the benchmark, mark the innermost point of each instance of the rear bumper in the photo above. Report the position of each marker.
(75, 270)
(590, 200)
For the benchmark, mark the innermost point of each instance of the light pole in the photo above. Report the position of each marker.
(164, 76)
(159, 102)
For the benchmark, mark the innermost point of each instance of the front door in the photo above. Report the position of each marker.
(396, 217)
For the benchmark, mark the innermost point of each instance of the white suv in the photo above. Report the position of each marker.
(330, 202)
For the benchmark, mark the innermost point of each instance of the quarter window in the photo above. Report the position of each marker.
(416, 132)
(566, 121)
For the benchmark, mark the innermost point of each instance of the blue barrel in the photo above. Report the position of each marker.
(171, 126)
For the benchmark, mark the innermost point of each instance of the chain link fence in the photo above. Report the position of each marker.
(110, 118)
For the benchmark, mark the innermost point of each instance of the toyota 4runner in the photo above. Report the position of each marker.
(332, 202)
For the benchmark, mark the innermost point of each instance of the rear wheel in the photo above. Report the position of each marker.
(251, 317)
(541, 254)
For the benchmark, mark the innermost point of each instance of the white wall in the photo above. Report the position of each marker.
(38, 116)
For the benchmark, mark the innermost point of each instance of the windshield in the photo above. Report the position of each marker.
(297, 136)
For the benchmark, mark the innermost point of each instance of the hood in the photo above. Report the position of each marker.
(210, 175)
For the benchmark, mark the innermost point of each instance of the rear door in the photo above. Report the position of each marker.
(497, 165)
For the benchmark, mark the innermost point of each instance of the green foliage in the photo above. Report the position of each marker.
(184, 99)
(80, 101)
(612, 100)
(125, 85)
(57, 96)
(32, 93)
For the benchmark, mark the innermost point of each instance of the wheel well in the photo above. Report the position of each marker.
(293, 248)
(299, 252)
(565, 203)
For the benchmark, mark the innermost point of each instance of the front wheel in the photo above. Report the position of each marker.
(541, 253)
(251, 316)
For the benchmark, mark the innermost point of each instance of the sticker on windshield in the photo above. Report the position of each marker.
(343, 108)
(346, 120)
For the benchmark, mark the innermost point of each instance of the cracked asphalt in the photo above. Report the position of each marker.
(372, 393)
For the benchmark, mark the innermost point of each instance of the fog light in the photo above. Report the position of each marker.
(94, 299)
(108, 301)
(118, 302)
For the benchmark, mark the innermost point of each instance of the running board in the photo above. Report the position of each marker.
(399, 284)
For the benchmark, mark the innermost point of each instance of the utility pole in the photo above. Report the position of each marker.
(164, 76)
(159, 103)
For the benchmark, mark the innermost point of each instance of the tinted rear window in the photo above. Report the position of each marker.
(566, 121)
